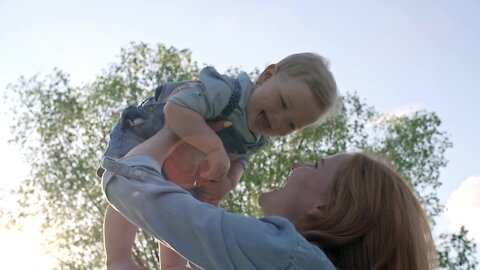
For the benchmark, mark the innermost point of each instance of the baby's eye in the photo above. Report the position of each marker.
(284, 104)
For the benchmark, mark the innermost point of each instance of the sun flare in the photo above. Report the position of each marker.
(23, 250)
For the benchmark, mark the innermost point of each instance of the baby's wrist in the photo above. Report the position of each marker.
(213, 150)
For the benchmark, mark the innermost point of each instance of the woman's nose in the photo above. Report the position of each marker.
(296, 165)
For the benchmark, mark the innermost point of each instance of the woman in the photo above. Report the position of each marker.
(348, 211)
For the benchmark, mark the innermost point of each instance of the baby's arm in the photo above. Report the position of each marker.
(192, 128)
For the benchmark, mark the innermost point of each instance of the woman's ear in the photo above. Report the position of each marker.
(310, 218)
(268, 73)
(316, 211)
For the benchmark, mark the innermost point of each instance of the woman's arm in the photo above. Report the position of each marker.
(208, 236)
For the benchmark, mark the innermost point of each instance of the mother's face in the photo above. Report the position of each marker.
(305, 189)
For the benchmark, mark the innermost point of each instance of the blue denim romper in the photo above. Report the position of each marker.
(137, 124)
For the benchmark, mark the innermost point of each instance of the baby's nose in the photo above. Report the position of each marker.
(283, 132)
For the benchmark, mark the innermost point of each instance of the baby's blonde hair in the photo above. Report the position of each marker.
(313, 70)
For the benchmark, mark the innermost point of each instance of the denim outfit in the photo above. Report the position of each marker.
(207, 236)
(214, 97)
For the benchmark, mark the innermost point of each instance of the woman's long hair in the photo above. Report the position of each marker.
(373, 220)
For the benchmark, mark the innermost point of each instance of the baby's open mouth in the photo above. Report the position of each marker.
(262, 121)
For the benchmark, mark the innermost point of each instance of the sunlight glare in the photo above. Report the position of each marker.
(23, 250)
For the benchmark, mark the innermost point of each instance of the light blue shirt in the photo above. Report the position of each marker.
(209, 237)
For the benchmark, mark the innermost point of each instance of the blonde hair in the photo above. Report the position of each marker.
(313, 70)
(373, 220)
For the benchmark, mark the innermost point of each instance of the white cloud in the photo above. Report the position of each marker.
(463, 207)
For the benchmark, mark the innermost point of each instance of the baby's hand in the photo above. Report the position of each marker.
(213, 192)
(218, 165)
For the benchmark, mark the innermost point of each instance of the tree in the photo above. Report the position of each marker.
(457, 251)
(63, 131)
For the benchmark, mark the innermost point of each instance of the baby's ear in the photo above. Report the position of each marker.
(268, 73)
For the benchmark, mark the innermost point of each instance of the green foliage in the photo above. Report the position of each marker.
(416, 147)
(63, 131)
(457, 251)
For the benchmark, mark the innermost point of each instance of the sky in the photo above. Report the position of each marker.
(398, 56)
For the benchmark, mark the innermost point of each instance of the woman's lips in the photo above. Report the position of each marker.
(262, 121)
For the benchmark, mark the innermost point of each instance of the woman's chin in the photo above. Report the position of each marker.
(264, 201)
(260, 200)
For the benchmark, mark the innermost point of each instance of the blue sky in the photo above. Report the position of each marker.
(396, 55)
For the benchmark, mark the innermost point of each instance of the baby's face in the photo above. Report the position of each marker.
(280, 105)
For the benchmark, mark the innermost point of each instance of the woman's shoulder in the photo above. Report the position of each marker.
(274, 241)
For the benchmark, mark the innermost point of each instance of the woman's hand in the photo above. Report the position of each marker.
(213, 192)
(184, 162)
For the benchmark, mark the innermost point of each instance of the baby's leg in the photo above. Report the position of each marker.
(130, 265)
(170, 260)
(135, 126)
(119, 236)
